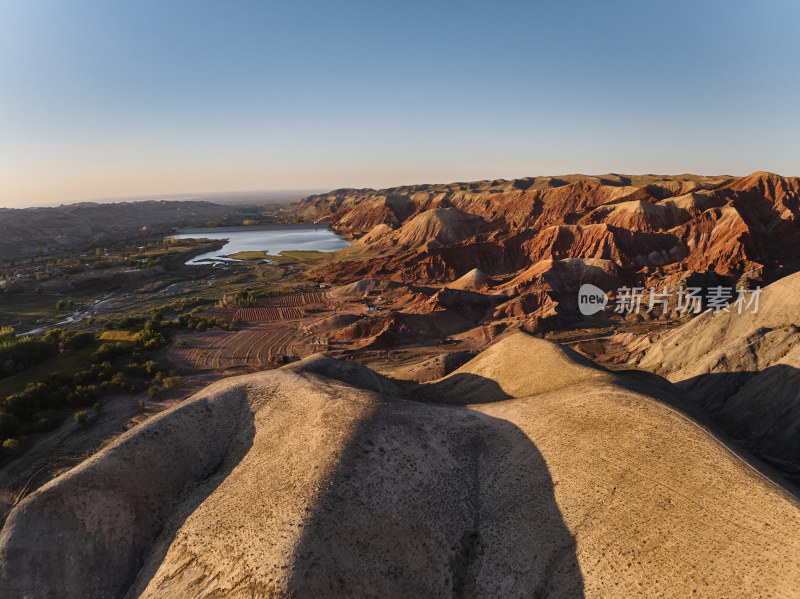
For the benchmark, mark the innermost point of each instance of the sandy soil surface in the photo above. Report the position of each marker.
(528, 471)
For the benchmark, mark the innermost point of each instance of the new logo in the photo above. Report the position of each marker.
(591, 299)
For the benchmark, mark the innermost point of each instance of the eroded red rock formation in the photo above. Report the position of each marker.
(539, 239)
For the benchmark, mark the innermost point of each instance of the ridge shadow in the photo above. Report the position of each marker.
(437, 500)
(768, 429)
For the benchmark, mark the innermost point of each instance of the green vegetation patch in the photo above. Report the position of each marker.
(248, 256)
(27, 309)
(57, 364)
(83, 370)
(129, 336)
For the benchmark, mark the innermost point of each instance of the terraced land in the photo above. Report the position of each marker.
(296, 299)
(269, 309)
(255, 314)
(257, 346)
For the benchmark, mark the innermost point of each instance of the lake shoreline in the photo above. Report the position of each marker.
(270, 239)
(187, 231)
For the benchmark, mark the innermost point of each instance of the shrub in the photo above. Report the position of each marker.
(190, 321)
(7, 334)
(11, 446)
(108, 351)
(128, 322)
(150, 366)
(82, 417)
(172, 381)
(76, 340)
(24, 351)
(150, 339)
(44, 424)
(244, 298)
(51, 336)
(119, 381)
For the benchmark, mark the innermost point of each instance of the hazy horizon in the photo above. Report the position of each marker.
(107, 101)
(245, 196)
(233, 196)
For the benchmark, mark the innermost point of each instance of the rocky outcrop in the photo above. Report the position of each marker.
(375, 236)
(539, 307)
(436, 367)
(365, 216)
(639, 231)
(474, 280)
(529, 201)
(726, 225)
(430, 229)
(469, 304)
(358, 289)
(567, 275)
(439, 265)
(387, 330)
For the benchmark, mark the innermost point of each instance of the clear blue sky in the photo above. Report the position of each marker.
(102, 99)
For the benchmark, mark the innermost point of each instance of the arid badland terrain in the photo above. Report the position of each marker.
(455, 425)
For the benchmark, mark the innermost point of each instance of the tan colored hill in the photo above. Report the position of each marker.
(356, 289)
(433, 228)
(474, 280)
(557, 479)
(744, 369)
(376, 235)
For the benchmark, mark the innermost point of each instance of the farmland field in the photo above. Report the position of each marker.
(295, 299)
(282, 307)
(254, 347)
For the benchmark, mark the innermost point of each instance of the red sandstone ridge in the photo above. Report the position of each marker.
(529, 236)
(427, 230)
(555, 275)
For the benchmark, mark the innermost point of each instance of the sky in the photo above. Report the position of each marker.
(141, 97)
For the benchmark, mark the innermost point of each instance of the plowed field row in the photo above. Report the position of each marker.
(293, 300)
(256, 314)
(267, 309)
(256, 346)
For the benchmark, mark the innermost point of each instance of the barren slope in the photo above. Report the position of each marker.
(743, 369)
(433, 228)
(319, 479)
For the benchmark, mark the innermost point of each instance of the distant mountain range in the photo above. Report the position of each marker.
(545, 232)
(24, 231)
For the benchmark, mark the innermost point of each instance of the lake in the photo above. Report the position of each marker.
(270, 239)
